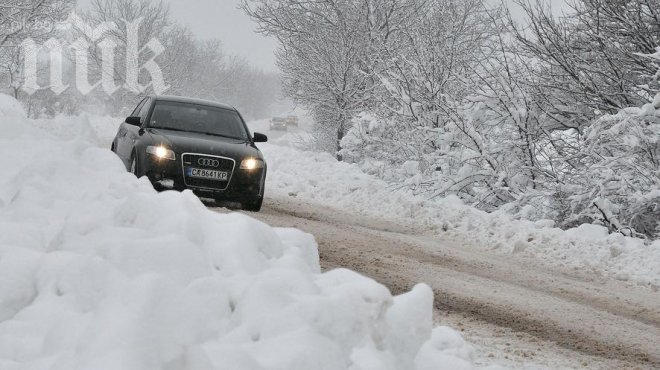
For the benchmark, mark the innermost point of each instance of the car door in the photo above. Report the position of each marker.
(134, 132)
(123, 144)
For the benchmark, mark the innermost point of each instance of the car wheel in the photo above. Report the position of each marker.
(254, 205)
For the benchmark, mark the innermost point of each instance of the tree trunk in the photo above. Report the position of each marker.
(340, 136)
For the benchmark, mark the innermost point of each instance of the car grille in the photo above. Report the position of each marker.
(193, 160)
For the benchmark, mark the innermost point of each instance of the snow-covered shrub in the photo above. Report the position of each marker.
(621, 179)
(382, 148)
(486, 147)
(610, 174)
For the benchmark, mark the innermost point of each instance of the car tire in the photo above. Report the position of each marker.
(253, 205)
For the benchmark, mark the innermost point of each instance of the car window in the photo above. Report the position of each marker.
(137, 109)
(144, 111)
(198, 118)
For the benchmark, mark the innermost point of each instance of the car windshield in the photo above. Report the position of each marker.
(199, 119)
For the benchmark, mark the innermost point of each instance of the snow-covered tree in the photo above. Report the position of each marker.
(428, 72)
(516, 119)
(21, 20)
(329, 53)
(591, 60)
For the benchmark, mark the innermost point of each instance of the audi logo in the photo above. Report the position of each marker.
(208, 162)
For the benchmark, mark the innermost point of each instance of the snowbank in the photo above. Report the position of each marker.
(589, 248)
(98, 271)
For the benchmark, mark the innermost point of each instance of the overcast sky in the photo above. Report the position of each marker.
(220, 19)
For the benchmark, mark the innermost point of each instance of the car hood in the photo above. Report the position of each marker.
(190, 142)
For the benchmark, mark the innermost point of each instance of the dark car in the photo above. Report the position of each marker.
(278, 124)
(181, 143)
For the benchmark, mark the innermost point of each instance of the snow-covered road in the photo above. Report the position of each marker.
(530, 314)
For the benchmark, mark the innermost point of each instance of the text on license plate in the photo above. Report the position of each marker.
(206, 174)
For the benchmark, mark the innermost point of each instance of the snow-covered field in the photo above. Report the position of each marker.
(318, 177)
(98, 271)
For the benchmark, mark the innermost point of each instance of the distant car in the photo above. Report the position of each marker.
(278, 124)
(182, 143)
(292, 121)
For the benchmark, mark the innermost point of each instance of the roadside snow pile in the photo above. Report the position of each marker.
(98, 271)
(319, 177)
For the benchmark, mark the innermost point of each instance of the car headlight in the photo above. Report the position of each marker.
(252, 164)
(161, 152)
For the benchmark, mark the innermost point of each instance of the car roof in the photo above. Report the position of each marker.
(185, 100)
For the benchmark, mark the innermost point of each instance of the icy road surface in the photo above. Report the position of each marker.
(515, 312)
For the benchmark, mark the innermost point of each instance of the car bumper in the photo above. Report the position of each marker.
(243, 185)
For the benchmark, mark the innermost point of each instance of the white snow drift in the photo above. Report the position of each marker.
(98, 271)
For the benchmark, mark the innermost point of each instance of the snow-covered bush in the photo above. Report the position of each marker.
(478, 123)
(621, 179)
(610, 174)
(98, 271)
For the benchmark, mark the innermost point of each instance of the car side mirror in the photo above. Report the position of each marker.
(134, 121)
(260, 138)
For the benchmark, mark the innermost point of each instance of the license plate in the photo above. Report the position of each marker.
(201, 173)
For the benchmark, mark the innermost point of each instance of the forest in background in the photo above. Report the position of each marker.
(551, 117)
(190, 66)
